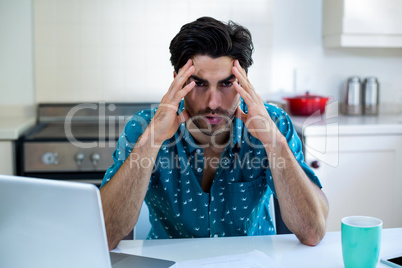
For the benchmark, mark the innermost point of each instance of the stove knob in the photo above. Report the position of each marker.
(50, 158)
(78, 158)
(95, 158)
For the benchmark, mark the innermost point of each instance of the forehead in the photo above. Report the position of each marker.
(212, 68)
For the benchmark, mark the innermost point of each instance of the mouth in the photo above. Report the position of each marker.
(213, 119)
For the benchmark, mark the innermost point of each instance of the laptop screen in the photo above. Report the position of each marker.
(46, 223)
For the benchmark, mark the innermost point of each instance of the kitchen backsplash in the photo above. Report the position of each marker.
(119, 50)
(16, 53)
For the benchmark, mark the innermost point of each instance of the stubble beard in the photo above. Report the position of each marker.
(209, 129)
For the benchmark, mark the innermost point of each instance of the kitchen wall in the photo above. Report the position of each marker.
(16, 53)
(117, 50)
(298, 49)
(89, 50)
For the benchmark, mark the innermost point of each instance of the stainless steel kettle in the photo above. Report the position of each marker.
(371, 96)
(353, 97)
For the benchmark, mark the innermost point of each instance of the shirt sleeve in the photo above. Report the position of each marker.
(127, 140)
(285, 126)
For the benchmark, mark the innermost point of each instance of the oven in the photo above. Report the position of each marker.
(73, 142)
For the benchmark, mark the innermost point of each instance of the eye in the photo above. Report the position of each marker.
(199, 84)
(226, 84)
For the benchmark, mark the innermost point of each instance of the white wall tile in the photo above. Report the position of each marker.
(119, 50)
(16, 53)
(89, 12)
(66, 12)
(45, 11)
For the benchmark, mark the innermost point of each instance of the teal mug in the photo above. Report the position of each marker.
(361, 240)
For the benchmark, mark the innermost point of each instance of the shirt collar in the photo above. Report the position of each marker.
(236, 131)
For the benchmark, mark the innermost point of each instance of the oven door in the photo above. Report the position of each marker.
(63, 161)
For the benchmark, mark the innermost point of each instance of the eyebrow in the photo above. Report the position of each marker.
(232, 76)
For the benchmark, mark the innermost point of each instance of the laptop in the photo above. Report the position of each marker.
(49, 223)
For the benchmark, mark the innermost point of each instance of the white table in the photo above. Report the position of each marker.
(286, 250)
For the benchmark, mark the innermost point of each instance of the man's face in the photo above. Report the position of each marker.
(213, 101)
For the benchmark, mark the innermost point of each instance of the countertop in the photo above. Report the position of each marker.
(12, 127)
(14, 121)
(348, 125)
(283, 250)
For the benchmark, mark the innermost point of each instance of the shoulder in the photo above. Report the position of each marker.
(280, 118)
(138, 122)
(275, 112)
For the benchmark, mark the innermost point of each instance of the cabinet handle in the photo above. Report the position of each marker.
(315, 164)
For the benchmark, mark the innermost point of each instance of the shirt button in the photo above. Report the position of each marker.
(199, 169)
(198, 150)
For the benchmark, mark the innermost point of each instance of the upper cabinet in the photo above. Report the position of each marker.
(362, 23)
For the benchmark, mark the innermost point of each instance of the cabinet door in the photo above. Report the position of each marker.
(365, 180)
(372, 17)
(7, 158)
(362, 23)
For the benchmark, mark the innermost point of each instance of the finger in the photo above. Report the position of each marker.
(240, 114)
(182, 93)
(183, 71)
(185, 66)
(243, 93)
(183, 75)
(238, 66)
(180, 80)
(243, 80)
(245, 84)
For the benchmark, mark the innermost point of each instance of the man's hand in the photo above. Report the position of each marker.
(257, 119)
(166, 121)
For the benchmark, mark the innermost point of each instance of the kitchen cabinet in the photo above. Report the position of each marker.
(360, 164)
(14, 120)
(362, 23)
(365, 180)
(7, 158)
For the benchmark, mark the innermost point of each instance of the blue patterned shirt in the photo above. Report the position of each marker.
(239, 199)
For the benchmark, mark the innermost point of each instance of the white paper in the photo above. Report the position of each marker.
(253, 259)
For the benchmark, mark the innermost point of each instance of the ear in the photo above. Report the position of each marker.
(174, 74)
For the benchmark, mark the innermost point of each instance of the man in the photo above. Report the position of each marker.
(208, 165)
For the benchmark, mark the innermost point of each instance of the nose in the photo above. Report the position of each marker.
(214, 98)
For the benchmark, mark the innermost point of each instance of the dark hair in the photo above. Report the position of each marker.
(208, 36)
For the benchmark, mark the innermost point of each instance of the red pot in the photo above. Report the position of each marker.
(306, 104)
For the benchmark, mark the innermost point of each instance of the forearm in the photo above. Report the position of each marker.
(303, 205)
(124, 194)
